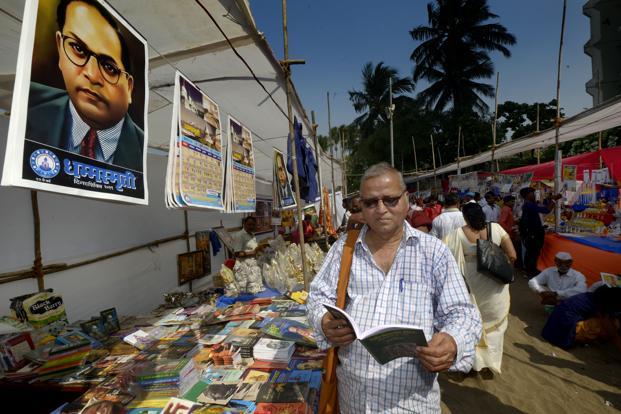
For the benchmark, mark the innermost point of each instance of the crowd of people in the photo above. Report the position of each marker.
(415, 262)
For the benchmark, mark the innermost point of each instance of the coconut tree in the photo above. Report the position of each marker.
(453, 55)
(372, 100)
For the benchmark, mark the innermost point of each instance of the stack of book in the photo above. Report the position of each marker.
(274, 350)
(65, 358)
(164, 374)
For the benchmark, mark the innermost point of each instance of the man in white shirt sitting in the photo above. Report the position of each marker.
(491, 209)
(555, 284)
(244, 239)
(450, 218)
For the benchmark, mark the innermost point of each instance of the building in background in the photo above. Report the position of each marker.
(604, 48)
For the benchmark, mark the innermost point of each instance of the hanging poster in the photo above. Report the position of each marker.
(242, 167)
(600, 176)
(195, 175)
(79, 114)
(200, 168)
(569, 172)
(283, 195)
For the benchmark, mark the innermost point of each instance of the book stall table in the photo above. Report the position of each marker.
(217, 350)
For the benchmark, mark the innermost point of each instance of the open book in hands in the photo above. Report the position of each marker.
(386, 342)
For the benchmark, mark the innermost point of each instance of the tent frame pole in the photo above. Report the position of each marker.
(322, 208)
(286, 64)
(557, 121)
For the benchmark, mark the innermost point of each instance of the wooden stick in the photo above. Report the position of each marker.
(54, 268)
(37, 267)
(296, 179)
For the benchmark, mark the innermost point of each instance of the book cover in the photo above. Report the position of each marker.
(280, 408)
(290, 330)
(306, 364)
(161, 369)
(289, 392)
(386, 342)
(610, 279)
(179, 406)
(219, 394)
(254, 375)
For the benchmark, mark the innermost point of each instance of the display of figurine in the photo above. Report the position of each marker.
(247, 275)
(228, 278)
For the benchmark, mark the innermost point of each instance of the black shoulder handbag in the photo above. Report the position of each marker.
(493, 261)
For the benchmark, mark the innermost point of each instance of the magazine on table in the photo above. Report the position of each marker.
(385, 342)
(610, 279)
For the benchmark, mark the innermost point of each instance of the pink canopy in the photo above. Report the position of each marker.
(589, 161)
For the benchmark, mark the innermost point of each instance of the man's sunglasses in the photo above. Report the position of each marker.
(386, 201)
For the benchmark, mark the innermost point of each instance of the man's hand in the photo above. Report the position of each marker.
(439, 354)
(337, 331)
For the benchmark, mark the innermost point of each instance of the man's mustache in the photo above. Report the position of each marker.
(93, 93)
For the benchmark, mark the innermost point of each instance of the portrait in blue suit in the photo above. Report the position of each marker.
(90, 116)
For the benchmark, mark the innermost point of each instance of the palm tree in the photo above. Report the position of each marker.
(372, 101)
(453, 55)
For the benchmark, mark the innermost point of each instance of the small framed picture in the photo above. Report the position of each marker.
(94, 328)
(110, 320)
(190, 266)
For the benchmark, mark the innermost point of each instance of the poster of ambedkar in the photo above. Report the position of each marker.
(79, 114)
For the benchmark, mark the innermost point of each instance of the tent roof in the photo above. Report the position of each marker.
(588, 161)
(182, 36)
(599, 118)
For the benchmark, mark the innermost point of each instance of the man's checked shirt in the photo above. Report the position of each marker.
(423, 288)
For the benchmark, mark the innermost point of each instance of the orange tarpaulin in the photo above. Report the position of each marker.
(589, 261)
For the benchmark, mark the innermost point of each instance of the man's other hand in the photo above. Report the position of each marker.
(439, 354)
(337, 331)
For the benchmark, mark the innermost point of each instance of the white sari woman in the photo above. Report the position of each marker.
(492, 297)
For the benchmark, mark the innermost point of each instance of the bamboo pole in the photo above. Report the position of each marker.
(495, 121)
(343, 168)
(415, 165)
(59, 267)
(433, 157)
(599, 148)
(390, 113)
(187, 239)
(557, 121)
(321, 200)
(333, 209)
(458, 144)
(296, 179)
(37, 267)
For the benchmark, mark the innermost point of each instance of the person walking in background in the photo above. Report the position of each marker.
(492, 297)
(491, 209)
(531, 229)
(506, 219)
(433, 208)
(450, 219)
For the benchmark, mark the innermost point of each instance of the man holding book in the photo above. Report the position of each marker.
(398, 276)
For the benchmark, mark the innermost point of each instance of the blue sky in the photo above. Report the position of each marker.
(337, 37)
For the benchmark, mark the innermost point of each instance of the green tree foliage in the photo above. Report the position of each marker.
(453, 54)
(371, 102)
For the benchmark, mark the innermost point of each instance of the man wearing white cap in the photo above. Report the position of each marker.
(558, 283)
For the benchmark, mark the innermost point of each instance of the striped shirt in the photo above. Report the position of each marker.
(108, 139)
(423, 288)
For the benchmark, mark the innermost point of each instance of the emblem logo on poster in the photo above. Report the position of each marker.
(45, 163)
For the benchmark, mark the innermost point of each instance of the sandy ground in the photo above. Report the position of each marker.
(536, 376)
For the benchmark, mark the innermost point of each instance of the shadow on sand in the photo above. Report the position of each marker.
(462, 399)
